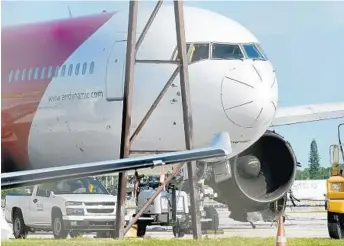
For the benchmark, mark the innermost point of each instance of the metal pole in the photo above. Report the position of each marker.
(187, 116)
(126, 116)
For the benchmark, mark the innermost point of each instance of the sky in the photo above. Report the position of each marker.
(304, 41)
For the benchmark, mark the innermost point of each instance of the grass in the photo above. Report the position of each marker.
(235, 241)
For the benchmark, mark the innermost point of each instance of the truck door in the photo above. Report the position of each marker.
(39, 211)
(116, 69)
(34, 204)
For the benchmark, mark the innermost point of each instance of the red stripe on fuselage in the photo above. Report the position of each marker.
(29, 46)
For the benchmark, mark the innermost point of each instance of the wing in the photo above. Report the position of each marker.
(220, 147)
(308, 113)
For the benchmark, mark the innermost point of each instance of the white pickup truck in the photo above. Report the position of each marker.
(64, 207)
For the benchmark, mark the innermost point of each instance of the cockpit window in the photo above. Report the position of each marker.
(198, 52)
(261, 51)
(226, 51)
(221, 51)
(253, 52)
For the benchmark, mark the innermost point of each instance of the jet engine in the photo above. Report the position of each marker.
(261, 175)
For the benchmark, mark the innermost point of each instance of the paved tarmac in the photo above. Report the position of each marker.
(298, 224)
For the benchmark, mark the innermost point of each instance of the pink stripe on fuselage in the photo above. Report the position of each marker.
(29, 46)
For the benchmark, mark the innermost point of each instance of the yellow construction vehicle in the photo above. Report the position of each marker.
(335, 191)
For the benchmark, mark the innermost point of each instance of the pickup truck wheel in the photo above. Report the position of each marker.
(19, 228)
(58, 227)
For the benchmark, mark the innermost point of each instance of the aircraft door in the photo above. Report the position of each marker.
(115, 71)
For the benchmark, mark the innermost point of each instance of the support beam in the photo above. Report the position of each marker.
(187, 116)
(159, 97)
(126, 116)
(157, 61)
(148, 25)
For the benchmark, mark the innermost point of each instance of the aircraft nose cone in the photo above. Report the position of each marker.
(249, 94)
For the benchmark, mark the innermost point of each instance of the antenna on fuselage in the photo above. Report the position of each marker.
(70, 12)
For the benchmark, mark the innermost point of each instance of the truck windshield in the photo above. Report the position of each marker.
(76, 186)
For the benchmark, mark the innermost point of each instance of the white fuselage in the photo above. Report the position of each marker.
(234, 95)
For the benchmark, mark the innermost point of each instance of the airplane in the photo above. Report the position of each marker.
(62, 97)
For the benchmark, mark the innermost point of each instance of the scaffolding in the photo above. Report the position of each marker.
(127, 140)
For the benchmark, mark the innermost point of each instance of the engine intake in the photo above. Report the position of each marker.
(260, 175)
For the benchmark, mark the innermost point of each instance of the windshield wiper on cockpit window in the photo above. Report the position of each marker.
(227, 58)
(239, 58)
(258, 59)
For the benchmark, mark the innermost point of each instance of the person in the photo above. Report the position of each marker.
(293, 198)
(137, 181)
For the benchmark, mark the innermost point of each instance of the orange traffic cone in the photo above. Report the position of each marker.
(281, 239)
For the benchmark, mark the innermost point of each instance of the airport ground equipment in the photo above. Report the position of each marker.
(335, 190)
(171, 208)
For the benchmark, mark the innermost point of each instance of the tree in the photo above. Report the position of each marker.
(314, 160)
(302, 174)
(15, 190)
(323, 173)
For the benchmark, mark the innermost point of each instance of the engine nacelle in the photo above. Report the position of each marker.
(261, 175)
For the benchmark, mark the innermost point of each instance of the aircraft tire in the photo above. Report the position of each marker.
(178, 232)
(141, 229)
(212, 213)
